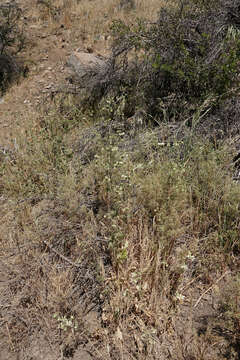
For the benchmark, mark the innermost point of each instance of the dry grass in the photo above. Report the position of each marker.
(126, 236)
(89, 21)
(110, 242)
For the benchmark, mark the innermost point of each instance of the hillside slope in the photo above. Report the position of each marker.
(119, 227)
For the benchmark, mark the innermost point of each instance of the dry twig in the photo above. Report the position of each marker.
(200, 298)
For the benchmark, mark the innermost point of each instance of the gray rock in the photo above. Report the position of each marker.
(84, 66)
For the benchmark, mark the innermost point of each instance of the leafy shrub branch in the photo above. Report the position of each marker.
(10, 33)
(190, 53)
(11, 43)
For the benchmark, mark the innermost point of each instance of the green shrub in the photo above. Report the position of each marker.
(11, 42)
(173, 65)
(10, 33)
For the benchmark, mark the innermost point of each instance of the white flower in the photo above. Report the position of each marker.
(180, 297)
(184, 267)
(190, 256)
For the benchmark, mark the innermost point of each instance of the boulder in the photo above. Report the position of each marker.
(83, 66)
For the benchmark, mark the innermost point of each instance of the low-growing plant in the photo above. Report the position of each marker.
(29, 173)
(66, 323)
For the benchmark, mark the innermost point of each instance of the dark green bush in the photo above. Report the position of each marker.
(173, 65)
(10, 33)
(11, 42)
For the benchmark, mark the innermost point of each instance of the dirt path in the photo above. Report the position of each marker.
(47, 47)
(21, 101)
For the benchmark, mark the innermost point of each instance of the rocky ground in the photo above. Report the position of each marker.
(48, 44)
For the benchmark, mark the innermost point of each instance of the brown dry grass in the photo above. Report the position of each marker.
(89, 21)
(112, 245)
(136, 241)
